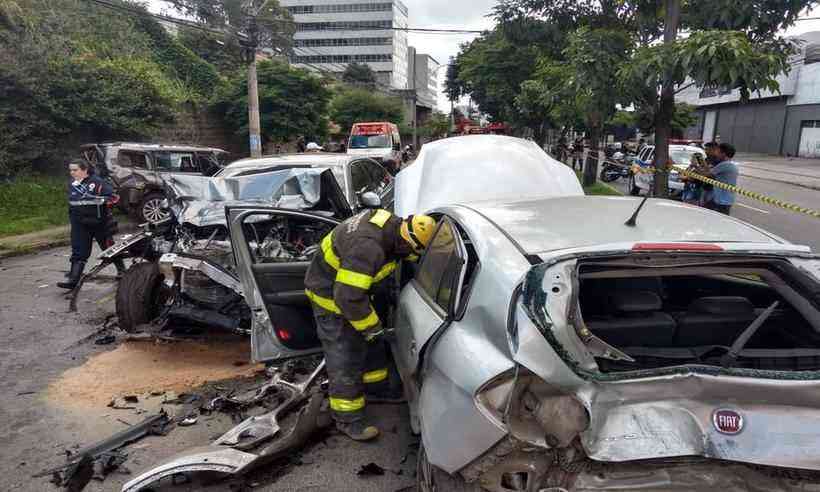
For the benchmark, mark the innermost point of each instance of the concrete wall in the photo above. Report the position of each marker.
(201, 127)
(795, 115)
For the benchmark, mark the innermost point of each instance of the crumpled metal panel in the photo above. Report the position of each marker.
(206, 458)
(671, 416)
(499, 168)
(204, 199)
(689, 477)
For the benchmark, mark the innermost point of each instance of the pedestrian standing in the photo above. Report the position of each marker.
(578, 154)
(725, 171)
(90, 198)
(357, 256)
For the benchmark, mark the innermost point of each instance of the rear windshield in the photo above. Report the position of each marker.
(369, 141)
(663, 317)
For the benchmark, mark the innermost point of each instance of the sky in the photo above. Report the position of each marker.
(471, 15)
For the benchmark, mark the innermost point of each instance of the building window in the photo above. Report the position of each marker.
(344, 25)
(343, 58)
(341, 8)
(810, 124)
(316, 43)
(708, 92)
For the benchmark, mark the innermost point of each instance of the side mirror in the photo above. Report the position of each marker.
(370, 200)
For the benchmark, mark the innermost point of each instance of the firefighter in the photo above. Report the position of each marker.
(89, 198)
(354, 258)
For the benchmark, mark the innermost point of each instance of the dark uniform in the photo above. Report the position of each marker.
(90, 216)
(356, 256)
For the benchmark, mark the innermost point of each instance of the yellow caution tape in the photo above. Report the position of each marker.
(734, 189)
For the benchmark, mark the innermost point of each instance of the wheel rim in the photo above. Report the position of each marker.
(152, 210)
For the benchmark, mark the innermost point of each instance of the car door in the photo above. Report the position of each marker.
(272, 281)
(428, 302)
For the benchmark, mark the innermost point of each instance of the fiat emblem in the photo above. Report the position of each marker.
(727, 421)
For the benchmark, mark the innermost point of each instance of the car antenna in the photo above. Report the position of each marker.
(633, 220)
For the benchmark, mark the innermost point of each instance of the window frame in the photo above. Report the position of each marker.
(453, 305)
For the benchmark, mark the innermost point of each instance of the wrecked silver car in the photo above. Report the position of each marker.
(186, 269)
(548, 343)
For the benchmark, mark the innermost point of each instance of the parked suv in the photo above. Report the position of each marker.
(138, 169)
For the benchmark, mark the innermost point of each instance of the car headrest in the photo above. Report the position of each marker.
(636, 301)
(733, 305)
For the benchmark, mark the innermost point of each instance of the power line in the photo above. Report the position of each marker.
(173, 20)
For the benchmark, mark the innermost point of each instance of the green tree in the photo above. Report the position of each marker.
(292, 102)
(732, 43)
(69, 67)
(359, 74)
(436, 127)
(274, 24)
(353, 105)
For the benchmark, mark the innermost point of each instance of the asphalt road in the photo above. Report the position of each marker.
(43, 347)
(792, 226)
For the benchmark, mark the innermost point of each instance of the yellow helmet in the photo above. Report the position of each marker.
(418, 231)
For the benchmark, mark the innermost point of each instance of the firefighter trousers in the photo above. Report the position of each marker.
(354, 365)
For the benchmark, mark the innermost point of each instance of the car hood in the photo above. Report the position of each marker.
(201, 201)
(465, 170)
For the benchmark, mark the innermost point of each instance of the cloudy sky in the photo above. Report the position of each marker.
(471, 15)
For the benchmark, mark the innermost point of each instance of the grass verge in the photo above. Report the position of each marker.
(600, 189)
(32, 203)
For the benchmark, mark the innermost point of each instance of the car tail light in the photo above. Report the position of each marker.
(676, 247)
(283, 334)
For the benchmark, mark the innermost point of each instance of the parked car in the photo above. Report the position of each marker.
(137, 171)
(380, 141)
(681, 155)
(544, 344)
(355, 175)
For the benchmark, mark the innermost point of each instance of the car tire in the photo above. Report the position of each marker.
(430, 478)
(633, 188)
(139, 296)
(150, 208)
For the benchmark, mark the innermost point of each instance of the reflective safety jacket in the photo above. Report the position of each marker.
(358, 254)
(88, 199)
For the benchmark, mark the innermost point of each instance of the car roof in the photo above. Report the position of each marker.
(547, 225)
(314, 159)
(478, 168)
(151, 146)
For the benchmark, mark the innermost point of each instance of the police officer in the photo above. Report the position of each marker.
(354, 258)
(89, 200)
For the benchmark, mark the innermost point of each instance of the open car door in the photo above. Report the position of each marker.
(273, 249)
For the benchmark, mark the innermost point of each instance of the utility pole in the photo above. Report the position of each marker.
(415, 108)
(254, 125)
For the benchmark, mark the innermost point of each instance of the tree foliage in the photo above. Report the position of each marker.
(352, 105)
(292, 102)
(274, 23)
(359, 74)
(71, 67)
(436, 127)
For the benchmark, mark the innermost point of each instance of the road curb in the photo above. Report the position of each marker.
(60, 237)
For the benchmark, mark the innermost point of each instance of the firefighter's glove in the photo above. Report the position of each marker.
(374, 333)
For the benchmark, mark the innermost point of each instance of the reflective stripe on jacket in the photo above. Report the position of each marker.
(355, 256)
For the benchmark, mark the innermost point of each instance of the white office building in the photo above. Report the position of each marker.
(330, 34)
(422, 77)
